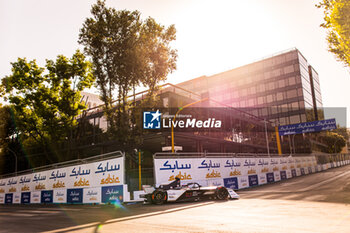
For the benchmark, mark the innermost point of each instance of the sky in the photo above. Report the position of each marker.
(212, 36)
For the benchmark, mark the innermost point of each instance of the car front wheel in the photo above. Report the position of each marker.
(159, 197)
(222, 193)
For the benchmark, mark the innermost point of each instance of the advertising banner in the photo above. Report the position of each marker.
(307, 127)
(215, 182)
(262, 178)
(283, 175)
(75, 196)
(47, 196)
(270, 177)
(52, 185)
(215, 170)
(40, 181)
(294, 173)
(16, 198)
(231, 182)
(92, 195)
(60, 195)
(253, 180)
(2, 198)
(112, 194)
(25, 198)
(243, 182)
(8, 198)
(12, 185)
(25, 183)
(277, 175)
(35, 197)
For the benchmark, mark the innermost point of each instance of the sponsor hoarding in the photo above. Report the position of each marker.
(112, 194)
(307, 127)
(25, 198)
(52, 185)
(92, 195)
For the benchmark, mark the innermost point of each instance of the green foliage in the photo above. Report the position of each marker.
(342, 131)
(126, 52)
(334, 141)
(45, 105)
(337, 22)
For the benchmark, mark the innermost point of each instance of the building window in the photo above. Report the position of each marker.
(261, 100)
(279, 96)
(292, 94)
(294, 119)
(269, 99)
(288, 69)
(281, 83)
(284, 108)
(262, 88)
(250, 102)
(295, 106)
(292, 81)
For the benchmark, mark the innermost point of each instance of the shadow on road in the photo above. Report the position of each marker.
(68, 218)
(328, 186)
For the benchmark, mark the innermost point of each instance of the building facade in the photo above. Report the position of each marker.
(283, 88)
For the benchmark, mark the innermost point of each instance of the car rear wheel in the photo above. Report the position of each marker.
(159, 197)
(222, 193)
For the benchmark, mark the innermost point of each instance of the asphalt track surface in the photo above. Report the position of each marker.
(313, 203)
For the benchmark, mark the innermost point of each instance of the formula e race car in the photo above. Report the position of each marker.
(175, 192)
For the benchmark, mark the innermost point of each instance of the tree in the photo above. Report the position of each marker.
(334, 141)
(45, 106)
(7, 129)
(337, 23)
(126, 52)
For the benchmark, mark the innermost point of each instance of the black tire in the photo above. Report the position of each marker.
(221, 193)
(159, 197)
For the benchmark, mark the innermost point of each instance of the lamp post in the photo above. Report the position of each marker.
(293, 143)
(172, 123)
(15, 160)
(267, 140)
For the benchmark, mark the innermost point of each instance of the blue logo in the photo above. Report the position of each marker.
(151, 120)
(75, 196)
(253, 180)
(46, 196)
(231, 183)
(112, 194)
(270, 177)
(283, 175)
(25, 197)
(8, 198)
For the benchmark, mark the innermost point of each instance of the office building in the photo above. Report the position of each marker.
(283, 88)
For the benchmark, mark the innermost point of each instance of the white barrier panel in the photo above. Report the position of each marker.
(277, 175)
(262, 178)
(35, 197)
(92, 195)
(243, 182)
(60, 196)
(233, 172)
(53, 185)
(16, 198)
(2, 198)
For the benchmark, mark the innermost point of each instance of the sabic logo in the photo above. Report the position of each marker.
(151, 120)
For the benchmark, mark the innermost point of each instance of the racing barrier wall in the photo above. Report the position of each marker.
(235, 172)
(97, 182)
